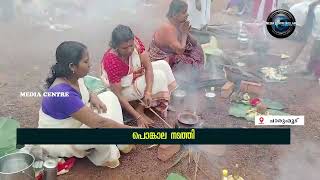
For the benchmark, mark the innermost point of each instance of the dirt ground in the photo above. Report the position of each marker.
(27, 52)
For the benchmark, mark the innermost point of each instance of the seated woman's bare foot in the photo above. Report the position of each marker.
(112, 164)
(126, 148)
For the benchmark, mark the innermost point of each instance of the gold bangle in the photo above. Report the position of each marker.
(147, 93)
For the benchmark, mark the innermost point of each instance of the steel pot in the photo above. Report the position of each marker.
(17, 166)
(188, 118)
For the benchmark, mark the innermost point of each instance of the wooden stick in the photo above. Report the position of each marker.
(160, 118)
(154, 145)
(196, 161)
(156, 114)
(189, 154)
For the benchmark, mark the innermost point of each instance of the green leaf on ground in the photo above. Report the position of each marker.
(8, 131)
(175, 176)
(272, 104)
(239, 110)
(273, 112)
(250, 117)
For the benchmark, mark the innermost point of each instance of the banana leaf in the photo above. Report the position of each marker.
(277, 113)
(175, 176)
(94, 84)
(239, 110)
(8, 130)
(272, 104)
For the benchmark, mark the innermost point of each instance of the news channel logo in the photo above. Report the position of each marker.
(281, 23)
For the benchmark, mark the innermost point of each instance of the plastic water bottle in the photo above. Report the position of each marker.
(236, 175)
(243, 36)
(224, 174)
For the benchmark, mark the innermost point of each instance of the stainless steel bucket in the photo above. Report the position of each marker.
(17, 166)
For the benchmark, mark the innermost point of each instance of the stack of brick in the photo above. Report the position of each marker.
(251, 88)
(227, 89)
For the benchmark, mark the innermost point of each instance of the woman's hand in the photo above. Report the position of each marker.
(138, 73)
(185, 27)
(143, 122)
(147, 99)
(96, 103)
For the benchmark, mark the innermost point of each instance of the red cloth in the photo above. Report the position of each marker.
(192, 55)
(39, 176)
(139, 45)
(115, 67)
(267, 8)
(67, 165)
(255, 101)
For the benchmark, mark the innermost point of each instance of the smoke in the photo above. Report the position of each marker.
(6, 10)
(83, 13)
(90, 22)
(303, 163)
(187, 78)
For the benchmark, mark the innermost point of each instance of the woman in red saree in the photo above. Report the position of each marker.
(172, 40)
(127, 70)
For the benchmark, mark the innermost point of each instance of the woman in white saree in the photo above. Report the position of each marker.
(73, 111)
(127, 70)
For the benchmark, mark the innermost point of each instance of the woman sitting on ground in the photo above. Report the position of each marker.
(172, 40)
(127, 70)
(73, 111)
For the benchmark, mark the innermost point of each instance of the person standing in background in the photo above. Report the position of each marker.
(307, 15)
(263, 8)
(199, 13)
(242, 6)
(282, 4)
